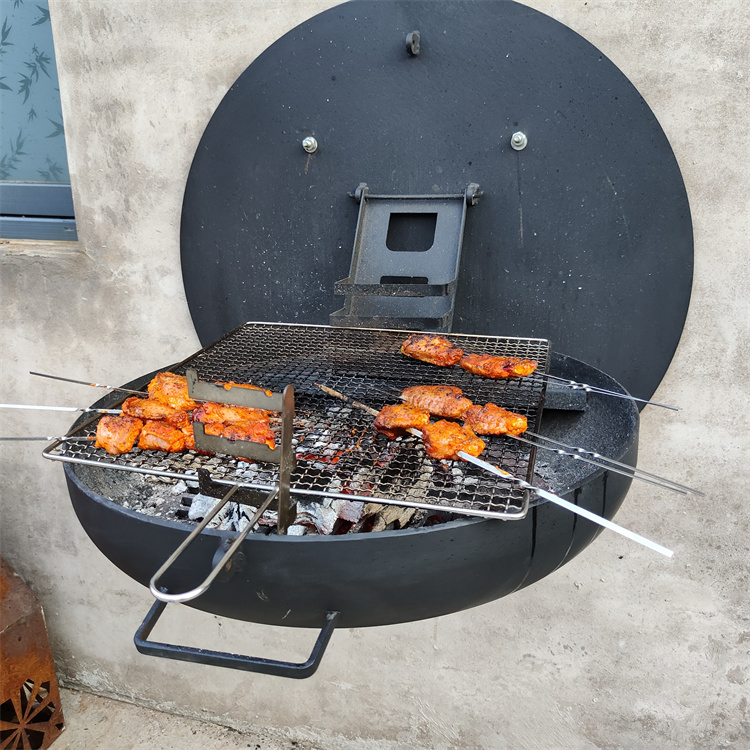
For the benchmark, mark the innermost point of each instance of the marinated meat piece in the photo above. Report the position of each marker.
(255, 432)
(433, 349)
(231, 384)
(498, 368)
(171, 389)
(189, 437)
(157, 435)
(394, 419)
(214, 428)
(181, 420)
(492, 419)
(147, 408)
(443, 440)
(213, 412)
(440, 400)
(117, 434)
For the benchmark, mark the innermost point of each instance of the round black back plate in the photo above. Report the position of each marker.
(583, 237)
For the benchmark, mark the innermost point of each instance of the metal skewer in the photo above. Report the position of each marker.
(524, 484)
(627, 471)
(59, 408)
(637, 473)
(85, 382)
(603, 391)
(61, 439)
(603, 462)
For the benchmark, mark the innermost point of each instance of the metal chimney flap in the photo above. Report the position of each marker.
(405, 260)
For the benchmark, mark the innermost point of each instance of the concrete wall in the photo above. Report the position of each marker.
(619, 649)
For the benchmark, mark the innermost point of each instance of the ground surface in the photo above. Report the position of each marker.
(96, 722)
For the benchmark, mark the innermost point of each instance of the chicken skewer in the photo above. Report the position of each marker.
(438, 350)
(525, 485)
(491, 419)
(163, 418)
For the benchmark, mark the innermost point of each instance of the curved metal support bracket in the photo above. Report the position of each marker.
(186, 596)
(294, 670)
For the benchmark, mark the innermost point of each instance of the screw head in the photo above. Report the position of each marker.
(310, 144)
(518, 141)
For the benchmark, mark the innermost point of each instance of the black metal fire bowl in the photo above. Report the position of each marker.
(392, 576)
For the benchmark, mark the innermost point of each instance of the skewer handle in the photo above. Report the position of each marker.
(595, 389)
(40, 437)
(570, 506)
(58, 408)
(85, 382)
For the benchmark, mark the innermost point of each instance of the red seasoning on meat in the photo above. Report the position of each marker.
(436, 350)
(498, 368)
(441, 400)
(173, 390)
(492, 419)
(443, 440)
(213, 412)
(254, 431)
(157, 435)
(147, 408)
(393, 420)
(117, 434)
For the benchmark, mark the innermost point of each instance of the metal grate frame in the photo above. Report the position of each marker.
(338, 453)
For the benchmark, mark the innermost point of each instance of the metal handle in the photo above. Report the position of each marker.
(294, 670)
(186, 596)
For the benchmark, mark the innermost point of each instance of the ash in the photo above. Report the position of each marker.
(180, 501)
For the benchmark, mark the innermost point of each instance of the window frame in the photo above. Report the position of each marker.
(37, 211)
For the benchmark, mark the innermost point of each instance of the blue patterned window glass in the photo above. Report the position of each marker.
(35, 198)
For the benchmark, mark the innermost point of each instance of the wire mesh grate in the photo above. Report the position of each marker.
(337, 451)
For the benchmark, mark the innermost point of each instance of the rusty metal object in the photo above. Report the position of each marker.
(30, 710)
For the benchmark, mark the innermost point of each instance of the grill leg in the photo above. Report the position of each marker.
(232, 661)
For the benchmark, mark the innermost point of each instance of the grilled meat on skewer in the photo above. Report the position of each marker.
(117, 434)
(231, 384)
(498, 368)
(394, 419)
(148, 408)
(173, 390)
(433, 349)
(157, 435)
(254, 431)
(443, 440)
(492, 419)
(213, 412)
(440, 400)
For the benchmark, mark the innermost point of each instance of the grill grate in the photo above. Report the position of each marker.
(337, 451)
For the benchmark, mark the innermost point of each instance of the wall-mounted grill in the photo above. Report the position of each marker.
(511, 181)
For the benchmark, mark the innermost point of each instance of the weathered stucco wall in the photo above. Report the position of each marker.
(618, 649)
